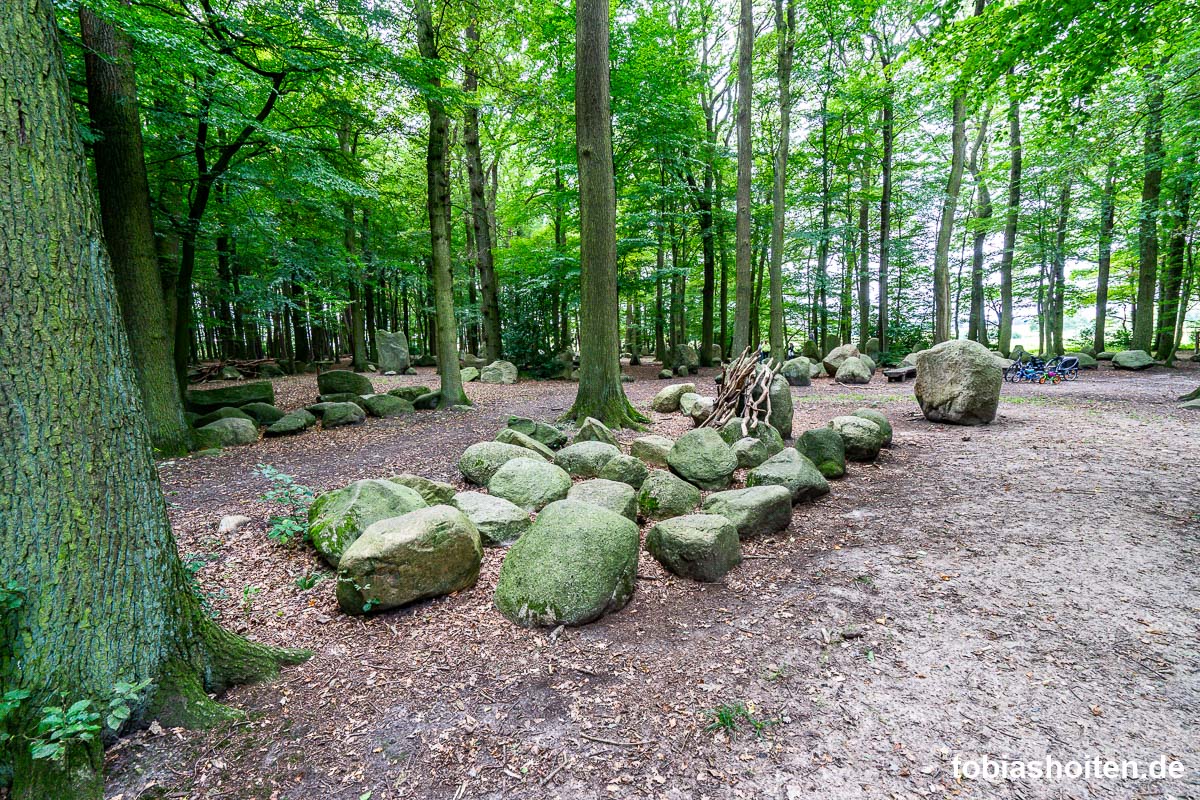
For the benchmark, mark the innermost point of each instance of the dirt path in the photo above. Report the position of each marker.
(1026, 589)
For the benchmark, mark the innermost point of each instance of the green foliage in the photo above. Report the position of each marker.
(12, 596)
(730, 718)
(58, 727)
(309, 579)
(292, 525)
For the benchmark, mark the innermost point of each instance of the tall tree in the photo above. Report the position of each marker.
(1152, 169)
(977, 325)
(438, 203)
(743, 266)
(124, 193)
(1104, 256)
(1170, 298)
(101, 594)
(785, 29)
(1011, 213)
(941, 256)
(600, 394)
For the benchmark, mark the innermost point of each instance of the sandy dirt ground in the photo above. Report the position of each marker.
(1023, 590)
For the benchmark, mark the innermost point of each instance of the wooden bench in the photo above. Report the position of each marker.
(901, 373)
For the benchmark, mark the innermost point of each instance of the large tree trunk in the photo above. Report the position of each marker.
(84, 531)
(941, 257)
(1147, 281)
(743, 267)
(489, 301)
(601, 394)
(438, 203)
(1011, 215)
(129, 228)
(1104, 258)
(1170, 297)
(785, 28)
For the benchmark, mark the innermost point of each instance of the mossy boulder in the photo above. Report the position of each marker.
(263, 413)
(530, 483)
(879, 419)
(794, 472)
(336, 414)
(853, 371)
(593, 430)
(664, 495)
(825, 449)
(203, 401)
(409, 393)
(862, 437)
(576, 563)
(337, 518)
(428, 552)
(511, 436)
(958, 382)
(702, 458)
(385, 405)
(626, 469)
(480, 461)
(750, 452)
(232, 431)
(428, 402)
(835, 357)
(229, 412)
(1086, 360)
(433, 492)
(292, 423)
(702, 547)
(617, 497)
(1133, 359)
(651, 450)
(341, 397)
(343, 380)
(499, 522)
(499, 372)
(667, 400)
(731, 431)
(545, 433)
(797, 371)
(468, 374)
(754, 511)
(586, 459)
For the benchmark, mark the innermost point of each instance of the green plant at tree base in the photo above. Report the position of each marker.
(60, 726)
(292, 525)
(309, 579)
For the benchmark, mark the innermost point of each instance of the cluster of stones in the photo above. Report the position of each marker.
(232, 415)
(682, 397)
(569, 513)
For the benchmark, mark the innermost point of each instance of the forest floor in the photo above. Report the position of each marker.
(1024, 589)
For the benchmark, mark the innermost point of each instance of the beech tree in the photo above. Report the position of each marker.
(95, 592)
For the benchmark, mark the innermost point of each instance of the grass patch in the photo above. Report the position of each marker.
(732, 718)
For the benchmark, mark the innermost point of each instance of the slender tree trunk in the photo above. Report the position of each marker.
(885, 202)
(864, 261)
(84, 531)
(1172, 281)
(601, 394)
(489, 301)
(982, 212)
(1104, 259)
(1011, 214)
(1058, 299)
(1143, 319)
(743, 288)
(129, 228)
(785, 27)
(438, 202)
(941, 258)
(723, 261)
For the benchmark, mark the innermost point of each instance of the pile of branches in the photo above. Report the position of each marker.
(212, 372)
(745, 392)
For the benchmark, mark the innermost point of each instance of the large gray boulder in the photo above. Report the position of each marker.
(1132, 359)
(593, 430)
(781, 406)
(683, 355)
(263, 413)
(202, 401)
(232, 431)
(701, 410)
(469, 374)
(837, 356)
(343, 380)
(754, 511)
(499, 521)
(291, 423)
(512, 436)
(652, 449)
(393, 351)
(702, 458)
(957, 382)
(794, 472)
(664, 495)
(428, 552)
(625, 469)
(576, 563)
(797, 371)
(853, 371)
(585, 459)
(434, 493)
(385, 405)
(530, 483)
(337, 518)
(702, 547)
(825, 449)
(667, 400)
(731, 431)
(617, 497)
(337, 414)
(879, 419)
(229, 412)
(545, 433)
(499, 372)
(409, 393)
(871, 347)
(1086, 360)
(861, 437)
(750, 452)
(480, 461)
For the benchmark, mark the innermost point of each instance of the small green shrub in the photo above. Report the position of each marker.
(292, 525)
